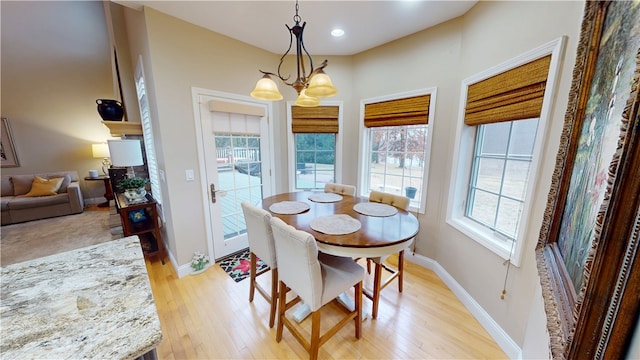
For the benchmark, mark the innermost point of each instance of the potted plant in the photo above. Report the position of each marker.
(134, 187)
(410, 191)
(199, 262)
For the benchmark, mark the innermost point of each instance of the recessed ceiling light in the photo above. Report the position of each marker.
(337, 32)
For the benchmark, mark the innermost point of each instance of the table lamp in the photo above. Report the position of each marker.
(101, 151)
(126, 153)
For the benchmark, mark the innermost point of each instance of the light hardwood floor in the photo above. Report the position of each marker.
(208, 316)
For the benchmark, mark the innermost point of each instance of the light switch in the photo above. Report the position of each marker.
(189, 175)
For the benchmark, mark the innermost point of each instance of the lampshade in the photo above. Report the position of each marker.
(100, 151)
(320, 85)
(125, 152)
(306, 101)
(266, 89)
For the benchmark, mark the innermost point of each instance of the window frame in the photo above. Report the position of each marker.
(291, 146)
(464, 150)
(365, 144)
(155, 173)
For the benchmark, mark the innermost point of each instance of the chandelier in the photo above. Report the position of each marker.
(309, 86)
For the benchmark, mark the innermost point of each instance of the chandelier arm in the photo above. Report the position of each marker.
(284, 80)
(321, 67)
(322, 87)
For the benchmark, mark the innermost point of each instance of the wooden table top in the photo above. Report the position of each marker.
(374, 232)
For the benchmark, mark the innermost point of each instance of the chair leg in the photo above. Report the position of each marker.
(358, 300)
(274, 296)
(377, 279)
(252, 275)
(315, 335)
(400, 269)
(282, 294)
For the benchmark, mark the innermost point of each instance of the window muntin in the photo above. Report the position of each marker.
(501, 166)
(397, 158)
(315, 155)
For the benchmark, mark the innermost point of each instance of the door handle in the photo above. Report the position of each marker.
(213, 190)
(213, 193)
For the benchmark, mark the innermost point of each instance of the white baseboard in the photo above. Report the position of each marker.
(181, 271)
(503, 340)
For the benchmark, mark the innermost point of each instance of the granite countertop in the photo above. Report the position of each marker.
(94, 302)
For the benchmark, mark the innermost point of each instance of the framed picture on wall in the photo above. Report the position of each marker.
(587, 243)
(7, 148)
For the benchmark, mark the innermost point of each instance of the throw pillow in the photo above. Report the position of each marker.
(21, 184)
(44, 187)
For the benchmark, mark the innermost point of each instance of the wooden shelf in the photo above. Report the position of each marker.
(148, 229)
(119, 128)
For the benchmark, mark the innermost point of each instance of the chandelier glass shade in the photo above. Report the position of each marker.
(309, 85)
(306, 101)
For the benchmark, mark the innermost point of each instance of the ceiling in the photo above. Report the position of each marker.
(367, 24)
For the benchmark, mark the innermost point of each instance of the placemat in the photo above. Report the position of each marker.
(375, 209)
(289, 207)
(325, 197)
(340, 224)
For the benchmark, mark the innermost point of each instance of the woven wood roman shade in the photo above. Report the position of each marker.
(319, 119)
(408, 111)
(516, 94)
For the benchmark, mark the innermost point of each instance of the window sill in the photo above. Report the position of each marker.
(485, 237)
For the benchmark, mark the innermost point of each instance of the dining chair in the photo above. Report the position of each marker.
(401, 202)
(340, 189)
(315, 282)
(261, 246)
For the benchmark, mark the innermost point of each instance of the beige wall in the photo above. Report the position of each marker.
(50, 101)
(489, 34)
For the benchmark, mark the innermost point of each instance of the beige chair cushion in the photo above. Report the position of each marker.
(340, 189)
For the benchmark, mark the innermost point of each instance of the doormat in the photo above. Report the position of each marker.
(238, 265)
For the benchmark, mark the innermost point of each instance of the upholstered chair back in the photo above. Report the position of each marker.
(299, 267)
(399, 201)
(340, 189)
(259, 233)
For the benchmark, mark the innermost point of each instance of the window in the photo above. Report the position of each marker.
(147, 133)
(500, 175)
(498, 143)
(315, 160)
(315, 132)
(397, 144)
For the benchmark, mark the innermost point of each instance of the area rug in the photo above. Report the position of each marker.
(238, 265)
(35, 239)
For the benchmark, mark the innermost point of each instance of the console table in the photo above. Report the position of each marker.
(90, 303)
(141, 218)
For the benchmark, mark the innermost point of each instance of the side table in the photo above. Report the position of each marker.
(108, 191)
(141, 218)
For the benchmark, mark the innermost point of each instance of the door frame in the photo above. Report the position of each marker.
(196, 92)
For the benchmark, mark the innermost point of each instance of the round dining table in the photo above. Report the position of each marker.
(377, 235)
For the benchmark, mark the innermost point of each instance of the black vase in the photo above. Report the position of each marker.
(110, 109)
